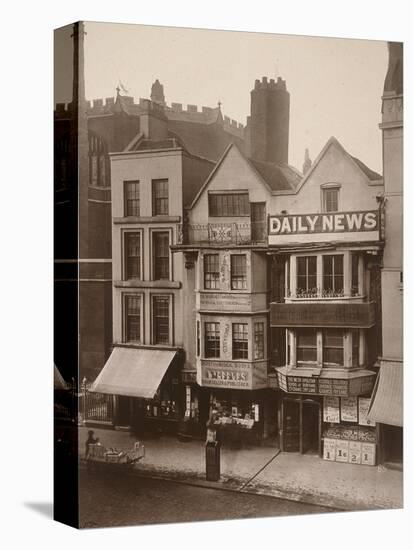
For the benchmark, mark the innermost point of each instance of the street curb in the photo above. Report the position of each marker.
(313, 500)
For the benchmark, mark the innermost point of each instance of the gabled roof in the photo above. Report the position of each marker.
(275, 177)
(369, 174)
(279, 177)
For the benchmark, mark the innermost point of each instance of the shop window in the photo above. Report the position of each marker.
(166, 401)
(307, 345)
(354, 274)
(240, 341)
(238, 271)
(333, 346)
(160, 197)
(211, 271)
(355, 339)
(258, 340)
(160, 255)
(330, 199)
(160, 320)
(229, 204)
(133, 255)
(132, 200)
(306, 276)
(212, 340)
(133, 318)
(333, 283)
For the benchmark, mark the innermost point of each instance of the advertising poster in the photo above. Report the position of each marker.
(331, 409)
(354, 452)
(368, 454)
(329, 449)
(349, 409)
(342, 450)
(364, 403)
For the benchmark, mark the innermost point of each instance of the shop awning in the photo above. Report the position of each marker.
(386, 404)
(133, 372)
(58, 380)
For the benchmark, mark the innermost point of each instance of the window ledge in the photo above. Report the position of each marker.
(289, 299)
(134, 283)
(147, 219)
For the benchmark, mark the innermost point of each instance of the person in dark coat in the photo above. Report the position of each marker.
(90, 441)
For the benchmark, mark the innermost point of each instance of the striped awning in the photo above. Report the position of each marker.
(386, 405)
(133, 372)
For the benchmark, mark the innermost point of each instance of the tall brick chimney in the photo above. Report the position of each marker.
(268, 124)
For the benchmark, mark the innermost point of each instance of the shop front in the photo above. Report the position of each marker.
(333, 424)
(146, 388)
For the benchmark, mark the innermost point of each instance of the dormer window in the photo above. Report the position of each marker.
(330, 198)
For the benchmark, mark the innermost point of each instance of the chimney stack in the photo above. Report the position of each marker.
(307, 162)
(268, 124)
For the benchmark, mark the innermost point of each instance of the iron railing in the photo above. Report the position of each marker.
(223, 233)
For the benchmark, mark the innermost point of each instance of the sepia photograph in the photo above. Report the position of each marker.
(228, 274)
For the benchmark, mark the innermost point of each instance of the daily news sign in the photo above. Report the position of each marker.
(340, 226)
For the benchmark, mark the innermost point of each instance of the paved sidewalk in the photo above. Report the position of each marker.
(304, 478)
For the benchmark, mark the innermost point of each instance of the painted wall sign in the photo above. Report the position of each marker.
(322, 315)
(224, 302)
(331, 409)
(345, 226)
(348, 410)
(228, 374)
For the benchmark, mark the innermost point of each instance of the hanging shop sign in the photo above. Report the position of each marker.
(362, 225)
(331, 409)
(235, 375)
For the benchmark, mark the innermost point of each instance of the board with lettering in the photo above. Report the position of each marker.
(331, 409)
(364, 403)
(329, 452)
(342, 448)
(348, 409)
(354, 452)
(368, 454)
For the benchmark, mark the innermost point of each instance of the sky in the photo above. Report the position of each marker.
(335, 85)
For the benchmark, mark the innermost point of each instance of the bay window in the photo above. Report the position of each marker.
(330, 347)
(306, 275)
(240, 341)
(333, 275)
(212, 340)
(333, 346)
(307, 345)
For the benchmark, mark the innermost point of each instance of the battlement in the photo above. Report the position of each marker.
(203, 114)
(271, 84)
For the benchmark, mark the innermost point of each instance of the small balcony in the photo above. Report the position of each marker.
(317, 293)
(228, 233)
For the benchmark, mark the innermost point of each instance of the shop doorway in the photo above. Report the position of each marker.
(392, 444)
(123, 411)
(300, 425)
(311, 427)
